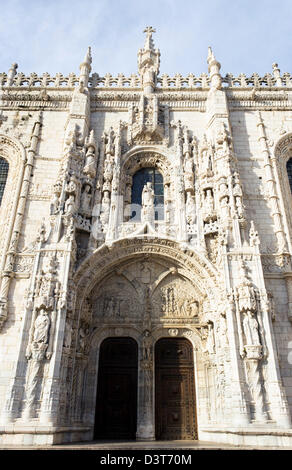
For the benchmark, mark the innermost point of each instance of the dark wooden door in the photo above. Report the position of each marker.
(175, 416)
(116, 404)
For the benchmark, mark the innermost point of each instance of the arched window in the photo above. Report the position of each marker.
(4, 167)
(141, 177)
(289, 172)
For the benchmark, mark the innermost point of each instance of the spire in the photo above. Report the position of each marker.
(148, 62)
(11, 74)
(211, 56)
(149, 44)
(85, 68)
(214, 70)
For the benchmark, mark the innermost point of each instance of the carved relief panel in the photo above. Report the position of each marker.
(116, 300)
(145, 289)
(175, 298)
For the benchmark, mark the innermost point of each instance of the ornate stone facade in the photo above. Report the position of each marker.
(146, 207)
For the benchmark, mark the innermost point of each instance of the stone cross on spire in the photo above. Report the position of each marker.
(148, 62)
(149, 44)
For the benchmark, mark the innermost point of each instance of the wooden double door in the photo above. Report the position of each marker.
(116, 406)
(175, 414)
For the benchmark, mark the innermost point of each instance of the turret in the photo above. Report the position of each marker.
(148, 62)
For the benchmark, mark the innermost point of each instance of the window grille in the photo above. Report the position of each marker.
(4, 167)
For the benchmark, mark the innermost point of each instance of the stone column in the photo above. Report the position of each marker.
(272, 188)
(8, 268)
(146, 416)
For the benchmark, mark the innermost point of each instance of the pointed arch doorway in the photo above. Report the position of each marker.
(116, 403)
(175, 404)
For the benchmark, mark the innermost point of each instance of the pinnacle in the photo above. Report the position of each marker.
(210, 55)
(149, 44)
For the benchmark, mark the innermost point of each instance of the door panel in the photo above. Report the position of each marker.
(174, 390)
(116, 406)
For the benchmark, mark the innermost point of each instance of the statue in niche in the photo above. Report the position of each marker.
(189, 164)
(209, 206)
(85, 201)
(209, 201)
(237, 193)
(253, 235)
(146, 346)
(148, 203)
(55, 204)
(148, 195)
(105, 207)
(67, 335)
(210, 343)
(108, 169)
(251, 329)
(70, 205)
(222, 331)
(246, 294)
(225, 209)
(105, 199)
(223, 188)
(190, 208)
(207, 164)
(82, 338)
(41, 327)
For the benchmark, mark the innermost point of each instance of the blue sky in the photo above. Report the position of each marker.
(53, 35)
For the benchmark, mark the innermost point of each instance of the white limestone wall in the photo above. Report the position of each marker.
(44, 173)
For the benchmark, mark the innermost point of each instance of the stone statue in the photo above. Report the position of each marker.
(85, 199)
(146, 345)
(148, 195)
(210, 343)
(251, 329)
(67, 335)
(41, 328)
(70, 205)
(148, 203)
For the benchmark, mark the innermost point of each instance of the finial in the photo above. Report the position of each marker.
(85, 69)
(210, 55)
(11, 74)
(276, 73)
(214, 70)
(149, 44)
(88, 58)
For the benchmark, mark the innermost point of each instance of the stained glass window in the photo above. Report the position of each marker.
(4, 166)
(140, 178)
(289, 171)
